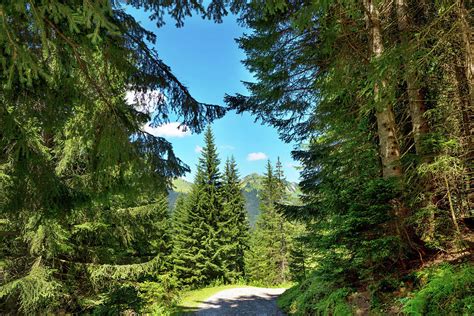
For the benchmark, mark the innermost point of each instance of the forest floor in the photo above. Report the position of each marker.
(231, 300)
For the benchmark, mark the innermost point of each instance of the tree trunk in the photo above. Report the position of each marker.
(416, 102)
(467, 101)
(467, 125)
(466, 32)
(386, 126)
(415, 97)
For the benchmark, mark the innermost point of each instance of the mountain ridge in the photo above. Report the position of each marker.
(251, 185)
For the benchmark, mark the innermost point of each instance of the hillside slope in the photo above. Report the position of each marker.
(180, 186)
(251, 186)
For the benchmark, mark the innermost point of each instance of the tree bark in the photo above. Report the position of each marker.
(415, 97)
(466, 32)
(386, 126)
(416, 104)
(467, 101)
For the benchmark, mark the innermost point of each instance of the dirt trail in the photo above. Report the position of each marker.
(252, 301)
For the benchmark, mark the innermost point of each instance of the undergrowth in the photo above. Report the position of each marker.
(444, 289)
(315, 297)
(439, 290)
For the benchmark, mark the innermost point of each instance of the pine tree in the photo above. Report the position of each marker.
(283, 237)
(79, 176)
(185, 246)
(297, 261)
(372, 129)
(201, 260)
(234, 223)
(267, 258)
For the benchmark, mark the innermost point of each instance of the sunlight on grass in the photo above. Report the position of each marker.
(190, 300)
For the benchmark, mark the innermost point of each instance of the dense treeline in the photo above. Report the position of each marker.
(82, 186)
(272, 240)
(380, 96)
(211, 225)
(212, 239)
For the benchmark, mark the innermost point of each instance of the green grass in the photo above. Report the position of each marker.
(181, 186)
(190, 300)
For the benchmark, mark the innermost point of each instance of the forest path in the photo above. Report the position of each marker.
(249, 301)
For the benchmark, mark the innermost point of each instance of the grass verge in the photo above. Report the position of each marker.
(190, 300)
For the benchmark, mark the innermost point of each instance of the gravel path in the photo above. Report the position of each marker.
(251, 301)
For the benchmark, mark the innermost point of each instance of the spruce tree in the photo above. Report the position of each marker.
(234, 225)
(372, 129)
(267, 258)
(201, 260)
(284, 231)
(79, 175)
(185, 246)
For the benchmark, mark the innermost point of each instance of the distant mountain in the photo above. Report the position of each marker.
(251, 187)
(180, 186)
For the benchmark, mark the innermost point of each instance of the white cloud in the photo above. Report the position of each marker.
(130, 97)
(256, 156)
(198, 149)
(144, 102)
(174, 129)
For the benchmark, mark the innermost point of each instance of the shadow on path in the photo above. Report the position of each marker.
(251, 305)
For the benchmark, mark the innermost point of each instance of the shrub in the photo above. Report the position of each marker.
(159, 298)
(315, 296)
(445, 290)
(117, 301)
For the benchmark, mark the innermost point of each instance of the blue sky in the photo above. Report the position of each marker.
(205, 57)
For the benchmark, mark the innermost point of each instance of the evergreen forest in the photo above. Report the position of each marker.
(375, 96)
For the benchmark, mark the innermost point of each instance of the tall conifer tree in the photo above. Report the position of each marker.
(344, 79)
(267, 259)
(198, 259)
(234, 222)
(183, 243)
(78, 171)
